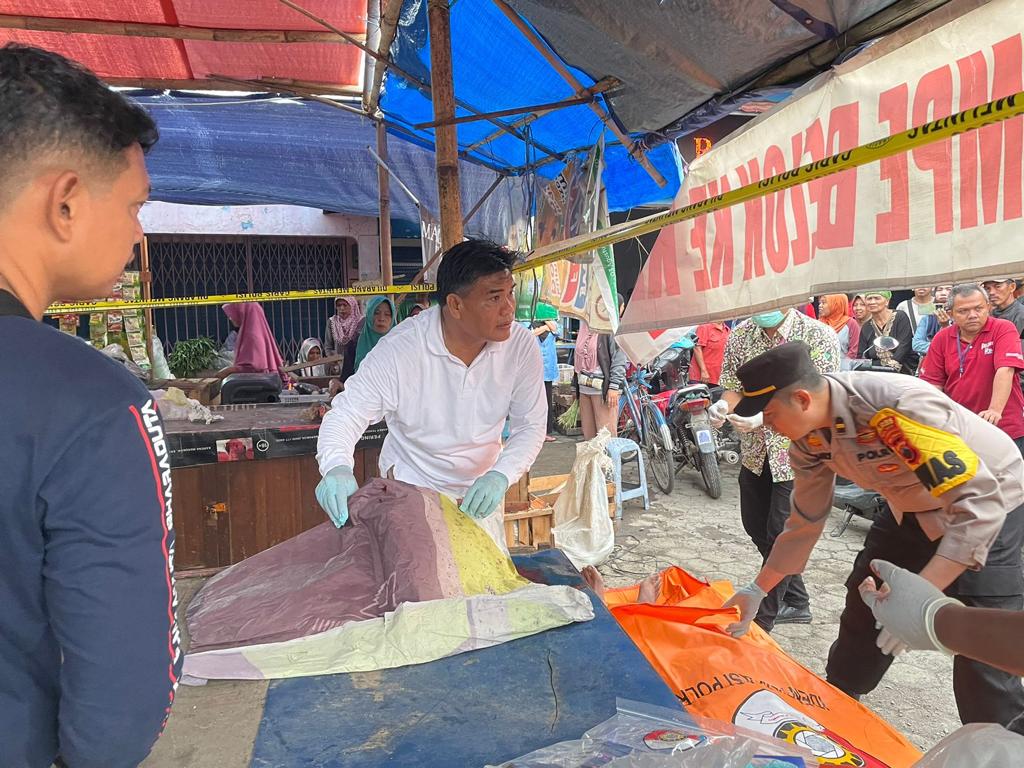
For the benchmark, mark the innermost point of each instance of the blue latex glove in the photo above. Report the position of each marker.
(333, 491)
(484, 495)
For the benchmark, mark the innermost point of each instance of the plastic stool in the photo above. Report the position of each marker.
(617, 448)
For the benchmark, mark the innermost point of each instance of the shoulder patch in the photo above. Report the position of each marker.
(940, 459)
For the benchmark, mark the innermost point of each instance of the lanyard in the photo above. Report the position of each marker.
(962, 353)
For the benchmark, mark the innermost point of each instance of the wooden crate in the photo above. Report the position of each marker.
(529, 510)
(529, 529)
(547, 488)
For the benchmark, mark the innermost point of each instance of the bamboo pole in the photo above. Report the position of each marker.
(446, 141)
(550, 106)
(536, 111)
(389, 13)
(556, 62)
(272, 85)
(483, 199)
(169, 31)
(146, 278)
(384, 216)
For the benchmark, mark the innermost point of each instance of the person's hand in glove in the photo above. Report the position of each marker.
(718, 411)
(904, 608)
(484, 495)
(746, 424)
(748, 600)
(333, 491)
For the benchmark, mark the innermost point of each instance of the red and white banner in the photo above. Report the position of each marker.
(949, 211)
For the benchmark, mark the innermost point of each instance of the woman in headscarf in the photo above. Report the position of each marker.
(311, 351)
(858, 309)
(343, 326)
(884, 321)
(255, 349)
(380, 318)
(834, 310)
(411, 307)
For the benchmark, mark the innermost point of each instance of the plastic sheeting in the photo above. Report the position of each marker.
(243, 151)
(116, 56)
(750, 680)
(410, 580)
(259, 150)
(496, 67)
(645, 736)
(674, 56)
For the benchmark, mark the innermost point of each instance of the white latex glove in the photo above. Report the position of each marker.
(904, 608)
(718, 411)
(746, 424)
(748, 600)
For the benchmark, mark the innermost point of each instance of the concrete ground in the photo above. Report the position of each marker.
(214, 726)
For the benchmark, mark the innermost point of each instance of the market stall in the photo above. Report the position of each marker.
(245, 483)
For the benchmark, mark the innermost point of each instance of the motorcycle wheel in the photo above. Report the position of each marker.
(711, 474)
(658, 447)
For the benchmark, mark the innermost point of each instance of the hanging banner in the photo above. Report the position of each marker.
(948, 211)
(575, 203)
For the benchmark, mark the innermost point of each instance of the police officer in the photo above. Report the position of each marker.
(953, 481)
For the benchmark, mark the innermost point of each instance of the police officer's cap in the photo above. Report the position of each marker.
(770, 372)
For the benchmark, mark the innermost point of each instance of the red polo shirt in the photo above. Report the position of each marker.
(711, 341)
(966, 371)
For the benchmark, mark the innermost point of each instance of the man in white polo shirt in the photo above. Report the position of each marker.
(445, 381)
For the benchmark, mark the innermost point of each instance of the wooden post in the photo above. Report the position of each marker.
(146, 278)
(383, 181)
(446, 142)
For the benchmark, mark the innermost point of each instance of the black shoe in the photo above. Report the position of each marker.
(790, 615)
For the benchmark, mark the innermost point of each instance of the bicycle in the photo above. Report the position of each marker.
(641, 421)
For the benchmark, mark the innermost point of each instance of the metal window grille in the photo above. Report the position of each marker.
(207, 265)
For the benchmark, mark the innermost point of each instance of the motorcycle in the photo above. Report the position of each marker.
(848, 497)
(854, 501)
(692, 435)
(695, 442)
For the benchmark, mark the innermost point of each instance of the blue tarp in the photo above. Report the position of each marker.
(227, 151)
(246, 151)
(238, 151)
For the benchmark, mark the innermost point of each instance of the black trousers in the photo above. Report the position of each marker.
(984, 694)
(549, 387)
(764, 508)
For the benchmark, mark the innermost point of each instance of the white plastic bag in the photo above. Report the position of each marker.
(160, 368)
(175, 405)
(583, 530)
(976, 746)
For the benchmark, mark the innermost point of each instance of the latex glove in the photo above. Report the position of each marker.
(748, 600)
(333, 491)
(718, 411)
(484, 495)
(904, 608)
(746, 424)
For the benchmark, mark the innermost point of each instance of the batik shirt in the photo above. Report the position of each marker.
(747, 341)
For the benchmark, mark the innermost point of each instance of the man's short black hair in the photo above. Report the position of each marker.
(466, 262)
(49, 104)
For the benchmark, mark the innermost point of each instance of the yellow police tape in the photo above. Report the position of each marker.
(85, 307)
(961, 122)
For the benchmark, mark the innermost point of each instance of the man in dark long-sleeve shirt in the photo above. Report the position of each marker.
(89, 655)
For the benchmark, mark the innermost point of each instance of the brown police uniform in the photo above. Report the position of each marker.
(955, 484)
